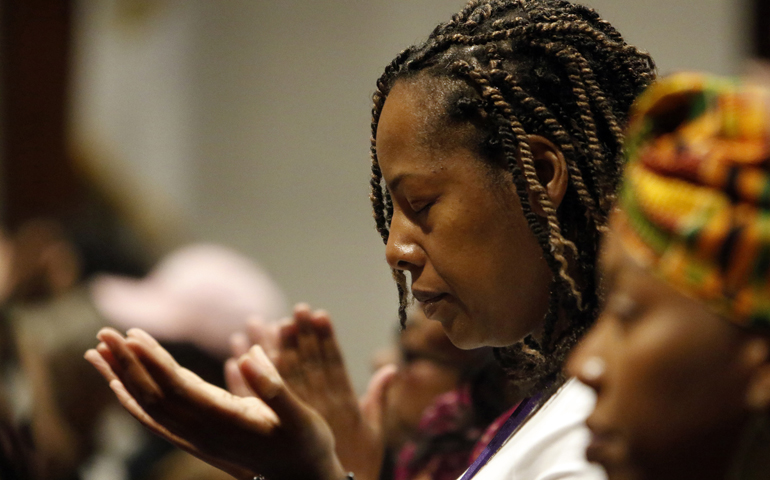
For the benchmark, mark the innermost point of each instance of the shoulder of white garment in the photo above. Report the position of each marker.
(551, 445)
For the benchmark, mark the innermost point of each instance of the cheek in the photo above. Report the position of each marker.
(427, 379)
(498, 272)
(417, 387)
(674, 392)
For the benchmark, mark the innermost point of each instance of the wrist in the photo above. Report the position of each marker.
(338, 472)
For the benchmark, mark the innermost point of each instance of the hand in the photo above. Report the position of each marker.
(273, 434)
(257, 332)
(310, 360)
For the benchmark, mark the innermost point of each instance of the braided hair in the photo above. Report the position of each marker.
(545, 67)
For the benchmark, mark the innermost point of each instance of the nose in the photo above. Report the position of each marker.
(588, 362)
(402, 251)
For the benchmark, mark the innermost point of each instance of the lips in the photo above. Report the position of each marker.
(605, 447)
(429, 300)
(426, 296)
(597, 448)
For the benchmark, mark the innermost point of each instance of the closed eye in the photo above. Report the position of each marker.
(421, 207)
(623, 307)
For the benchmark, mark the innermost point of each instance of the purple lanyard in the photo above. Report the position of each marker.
(506, 430)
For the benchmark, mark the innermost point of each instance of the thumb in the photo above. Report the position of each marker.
(263, 378)
(373, 401)
(234, 379)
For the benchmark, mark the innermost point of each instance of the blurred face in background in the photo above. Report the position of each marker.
(672, 378)
(428, 366)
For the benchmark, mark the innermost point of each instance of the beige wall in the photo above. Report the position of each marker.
(262, 126)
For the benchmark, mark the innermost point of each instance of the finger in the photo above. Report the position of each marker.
(105, 348)
(239, 344)
(263, 378)
(270, 341)
(311, 360)
(135, 409)
(289, 366)
(321, 322)
(334, 363)
(101, 365)
(301, 320)
(264, 334)
(255, 326)
(129, 369)
(287, 359)
(156, 359)
(182, 393)
(235, 381)
(287, 334)
(183, 396)
(373, 400)
(188, 401)
(107, 356)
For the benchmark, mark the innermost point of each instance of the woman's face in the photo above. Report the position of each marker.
(457, 227)
(670, 376)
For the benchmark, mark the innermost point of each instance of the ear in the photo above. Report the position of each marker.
(757, 355)
(551, 170)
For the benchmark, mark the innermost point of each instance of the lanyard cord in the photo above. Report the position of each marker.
(506, 430)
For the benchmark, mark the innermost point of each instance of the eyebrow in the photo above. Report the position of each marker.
(398, 179)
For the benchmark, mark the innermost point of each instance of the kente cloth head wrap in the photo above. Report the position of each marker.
(695, 201)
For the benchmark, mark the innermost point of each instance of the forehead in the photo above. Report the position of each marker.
(415, 117)
(668, 323)
(624, 273)
(407, 117)
(610, 254)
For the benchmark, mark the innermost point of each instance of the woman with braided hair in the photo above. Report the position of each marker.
(680, 358)
(496, 151)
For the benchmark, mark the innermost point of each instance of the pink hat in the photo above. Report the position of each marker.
(200, 294)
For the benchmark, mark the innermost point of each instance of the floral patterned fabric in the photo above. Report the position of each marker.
(448, 441)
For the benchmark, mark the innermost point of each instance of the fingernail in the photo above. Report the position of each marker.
(301, 307)
(141, 334)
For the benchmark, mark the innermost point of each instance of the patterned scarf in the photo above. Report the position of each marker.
(695, 202)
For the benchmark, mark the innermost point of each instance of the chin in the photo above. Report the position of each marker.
(611, 455)
(465, 343)
(621, 474)
(461, 331)
(460, 335)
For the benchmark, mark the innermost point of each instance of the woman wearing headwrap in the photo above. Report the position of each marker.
(680, 357)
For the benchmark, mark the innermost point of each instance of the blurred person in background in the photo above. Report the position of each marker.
(53, 403)
(440, 402)
(59, 414)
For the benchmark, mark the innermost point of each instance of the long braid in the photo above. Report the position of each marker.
(555, 240)
(564, 142)
(382, 205)
(545, 67)
(376, 194)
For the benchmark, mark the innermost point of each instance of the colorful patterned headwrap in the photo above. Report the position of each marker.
(695, 202)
